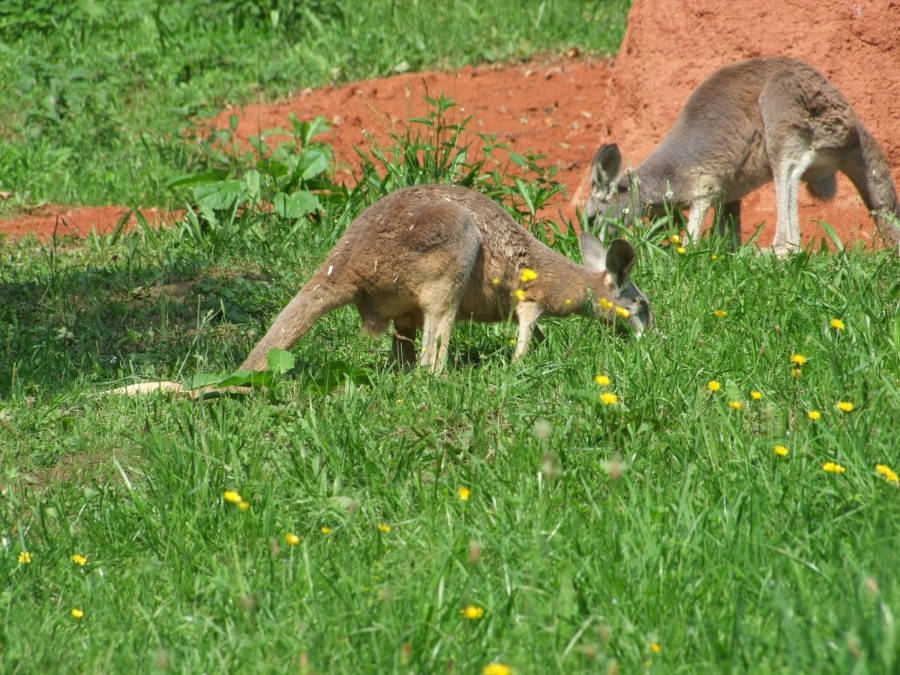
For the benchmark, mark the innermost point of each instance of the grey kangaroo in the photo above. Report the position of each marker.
(427, 256)
(751, 122)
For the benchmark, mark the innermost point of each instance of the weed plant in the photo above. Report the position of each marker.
(717, 496)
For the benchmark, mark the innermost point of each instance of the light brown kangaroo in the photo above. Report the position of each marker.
(751, 122)
(427, 256)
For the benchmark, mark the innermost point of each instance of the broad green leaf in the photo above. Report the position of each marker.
(313, 162)
(273, 168)
(295, 205)
(252, 185)
(220, 196)
(198, 380)
(280, 361)
(248, 378)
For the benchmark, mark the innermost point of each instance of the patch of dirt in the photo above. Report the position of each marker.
(564, 108)
(552, 108)
(51, 221)
(70, 468)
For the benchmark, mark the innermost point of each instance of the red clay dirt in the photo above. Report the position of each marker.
(565, 107)
(51, 221)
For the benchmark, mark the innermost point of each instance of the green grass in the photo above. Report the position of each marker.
(95, 98)
(591, 533)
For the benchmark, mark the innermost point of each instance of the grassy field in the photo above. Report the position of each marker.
(735, 509)
(95, 98)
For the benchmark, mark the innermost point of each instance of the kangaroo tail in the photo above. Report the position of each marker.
(868, 169)
(316, 298)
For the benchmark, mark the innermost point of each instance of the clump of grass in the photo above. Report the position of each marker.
(440, 148)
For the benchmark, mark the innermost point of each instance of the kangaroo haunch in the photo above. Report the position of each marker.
(427, 256)
(751, 122)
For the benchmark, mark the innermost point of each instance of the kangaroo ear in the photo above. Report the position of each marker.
(592, 251)
(606, 167)
(619, 260)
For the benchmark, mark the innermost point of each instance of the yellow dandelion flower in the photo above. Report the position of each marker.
(781, 451)
(796, 373)
(799, 359)
(609, 398)
(326, 530)
(888, 473)
(845, 406)
(472, 612)
(519, 294)
(77, 613)
(713, 257)
(528, 274)
(675, 239)
(624, 313)
(243, 506)
(495, 281)
(736, 405)
(655, 647)
(713, 385)
(602, 380)
(681, 250)
(833, 467)
(497, 669)
(814, 415)
(25, 558)
(721, 313)
(232, 496)
(292, 539)
(837, 324)
(756, 395)
(606, 304)
(79, 559)
(384, 528)
(464, 493)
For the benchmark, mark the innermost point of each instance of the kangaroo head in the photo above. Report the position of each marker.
(614, 294)
(610, 197)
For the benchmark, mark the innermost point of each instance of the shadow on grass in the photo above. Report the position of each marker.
(69, 314)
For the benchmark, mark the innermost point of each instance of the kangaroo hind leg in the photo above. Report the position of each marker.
(441, 296)
(316, 298)
(790, 155)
